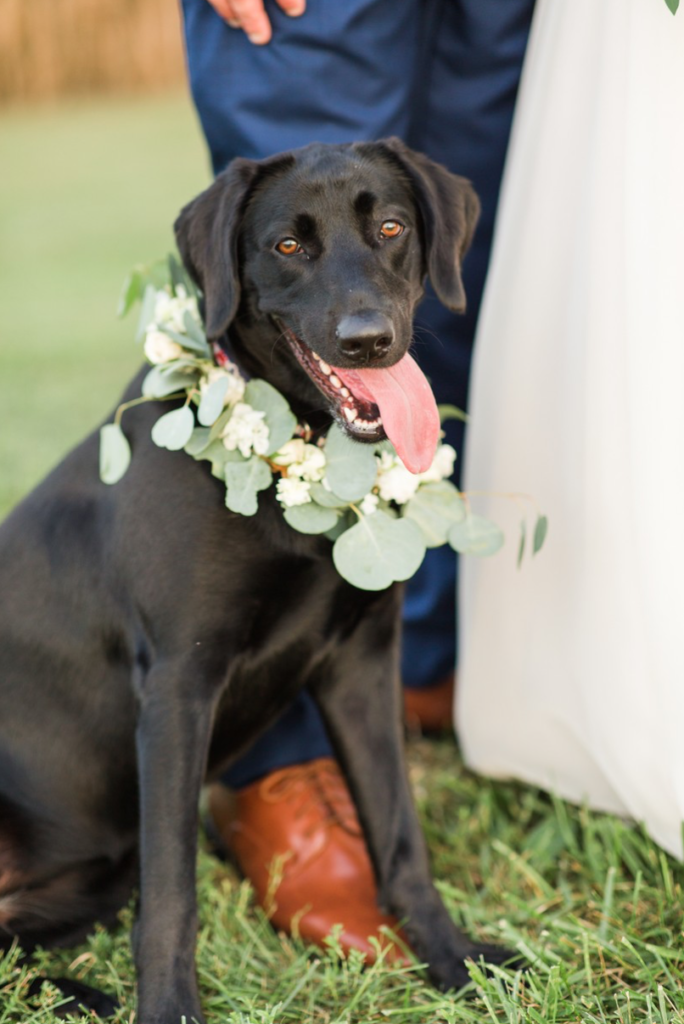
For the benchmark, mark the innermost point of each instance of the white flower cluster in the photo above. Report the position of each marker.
(236, 385)
(305, 465)
(159, 348)
(291, 491)
(369, 504)
(442, 465)
(169, 312)
(396, 483)
(246, 431)
(303, 460)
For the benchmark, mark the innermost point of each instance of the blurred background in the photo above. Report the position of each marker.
(99, 149)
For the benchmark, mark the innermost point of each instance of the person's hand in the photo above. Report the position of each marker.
(250, 16)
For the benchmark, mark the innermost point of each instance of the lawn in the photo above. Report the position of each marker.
(88, 190)
(590, 903)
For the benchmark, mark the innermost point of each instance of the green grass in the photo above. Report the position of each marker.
(88, 190)
(591, 903)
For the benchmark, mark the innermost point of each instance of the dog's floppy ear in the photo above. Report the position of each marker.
(207, 237)
(450, 210)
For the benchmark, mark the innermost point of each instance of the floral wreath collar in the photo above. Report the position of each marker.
(380, 517)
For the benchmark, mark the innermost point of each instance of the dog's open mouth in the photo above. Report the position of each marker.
(371, 404)
(358, 412)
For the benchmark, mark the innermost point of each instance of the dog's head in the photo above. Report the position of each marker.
(314, 262)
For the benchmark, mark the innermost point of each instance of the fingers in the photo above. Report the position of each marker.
(293, 7)
(225, 9)
(249, 15)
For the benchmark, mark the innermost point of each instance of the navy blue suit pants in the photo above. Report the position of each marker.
(441, 74)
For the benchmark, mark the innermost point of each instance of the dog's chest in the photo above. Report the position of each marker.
(296, 636)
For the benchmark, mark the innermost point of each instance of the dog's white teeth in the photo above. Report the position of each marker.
(316, 356)
(324, 367)
(351, 414)
(368, 425)
(344, 392)
(335, 381)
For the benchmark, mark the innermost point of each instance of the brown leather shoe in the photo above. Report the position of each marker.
(295, 835)
(430, 710)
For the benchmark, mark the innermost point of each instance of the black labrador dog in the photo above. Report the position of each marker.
(148, 635)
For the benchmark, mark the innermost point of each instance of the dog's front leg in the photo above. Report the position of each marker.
(174, 728)
(361, 703)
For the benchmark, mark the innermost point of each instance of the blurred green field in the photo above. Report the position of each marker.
(88, 189)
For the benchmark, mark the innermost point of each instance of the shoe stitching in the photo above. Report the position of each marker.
(308, 781)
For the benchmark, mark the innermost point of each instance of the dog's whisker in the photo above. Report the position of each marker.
(426, 333)
(282, 336)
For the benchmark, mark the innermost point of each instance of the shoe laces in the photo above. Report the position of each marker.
(317, 782)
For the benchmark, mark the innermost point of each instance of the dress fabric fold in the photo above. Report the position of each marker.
(572, 667)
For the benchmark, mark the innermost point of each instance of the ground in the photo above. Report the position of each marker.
(590, 902)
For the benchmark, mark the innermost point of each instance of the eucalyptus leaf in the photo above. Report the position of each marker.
(220, 423)
(244, 480)
(193, 340)
(211, 405)
(167, 379)
(540, 530)
(351, 468)
(200, 439)
(220, 456)
(451, 412)
(388, 509)
(186, 342)
(157, 274)
(131, 292)
(523, 539)
(179, 275)
(214, 452)
(176, 272)
(115, 453)
(378, 551)
(176, 336)
(174, 429)
(476, 535)
(322, 496)
(311, 518)
(673, 5)
(435, 508)
(279, 418)
(344, 522)
(195, 332)
(146, 317)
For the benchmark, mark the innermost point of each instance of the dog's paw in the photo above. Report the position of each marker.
(456, 973)
(167, 1016)
(78, 998)
(497, 956)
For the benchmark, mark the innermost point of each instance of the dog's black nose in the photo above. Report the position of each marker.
(365, 336)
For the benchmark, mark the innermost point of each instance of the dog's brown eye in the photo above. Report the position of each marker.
(391, 229)
(288, 247)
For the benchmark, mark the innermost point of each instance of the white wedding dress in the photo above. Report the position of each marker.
(572, 668)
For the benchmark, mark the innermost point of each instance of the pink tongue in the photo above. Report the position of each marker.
(407, 407)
